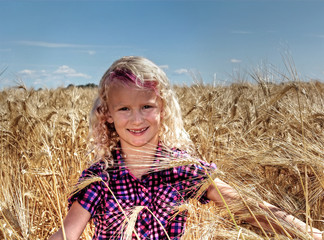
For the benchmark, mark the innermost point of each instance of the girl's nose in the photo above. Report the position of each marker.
(137, 117)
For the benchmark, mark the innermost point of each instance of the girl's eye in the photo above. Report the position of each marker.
(123, 109)
(147, 107)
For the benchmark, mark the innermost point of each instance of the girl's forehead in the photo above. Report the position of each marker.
(117, 85)
(129, 87)
(128, 91)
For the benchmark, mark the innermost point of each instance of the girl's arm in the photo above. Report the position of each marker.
(74, 223)
(231, 196)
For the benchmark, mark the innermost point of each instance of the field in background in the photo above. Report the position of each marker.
(267, 140)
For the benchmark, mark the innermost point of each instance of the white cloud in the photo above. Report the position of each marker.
(90, 52)
(233, 60)
(62, 76)
(181, 71)
(64, 70)
(26, 72)
(164, 67)
(81, 75)
(50, 44)
(70, 72)
(69, 45)
(41, 76)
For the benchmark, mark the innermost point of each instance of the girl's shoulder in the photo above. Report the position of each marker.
(183, 158)
(97, 169)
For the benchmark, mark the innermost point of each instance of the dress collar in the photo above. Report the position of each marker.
(120, 169)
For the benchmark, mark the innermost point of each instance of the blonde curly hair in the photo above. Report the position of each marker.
(144, 74)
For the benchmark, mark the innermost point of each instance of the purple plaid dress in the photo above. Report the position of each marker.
(160, 191)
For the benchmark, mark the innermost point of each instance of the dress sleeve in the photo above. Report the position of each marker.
(89, 197)
(193, 176)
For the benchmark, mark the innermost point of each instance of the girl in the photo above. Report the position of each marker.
(137, 131)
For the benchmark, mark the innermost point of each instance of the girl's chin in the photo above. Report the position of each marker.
(140, 144)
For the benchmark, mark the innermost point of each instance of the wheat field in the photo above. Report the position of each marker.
(267, 140)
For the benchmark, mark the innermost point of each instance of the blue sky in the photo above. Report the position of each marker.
(51, 43)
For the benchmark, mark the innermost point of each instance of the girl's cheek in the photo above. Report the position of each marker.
(123, 115)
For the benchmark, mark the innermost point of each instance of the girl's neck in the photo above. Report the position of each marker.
(139, 161)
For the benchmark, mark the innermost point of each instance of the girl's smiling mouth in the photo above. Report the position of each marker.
(137, 131)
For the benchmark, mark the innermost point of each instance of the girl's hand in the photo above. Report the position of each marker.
(317, 234)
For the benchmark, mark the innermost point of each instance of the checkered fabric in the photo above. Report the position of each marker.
(159, 191)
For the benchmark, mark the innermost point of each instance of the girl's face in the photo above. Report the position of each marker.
(136, 114)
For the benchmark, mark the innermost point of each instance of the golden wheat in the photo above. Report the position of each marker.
(266, 139)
